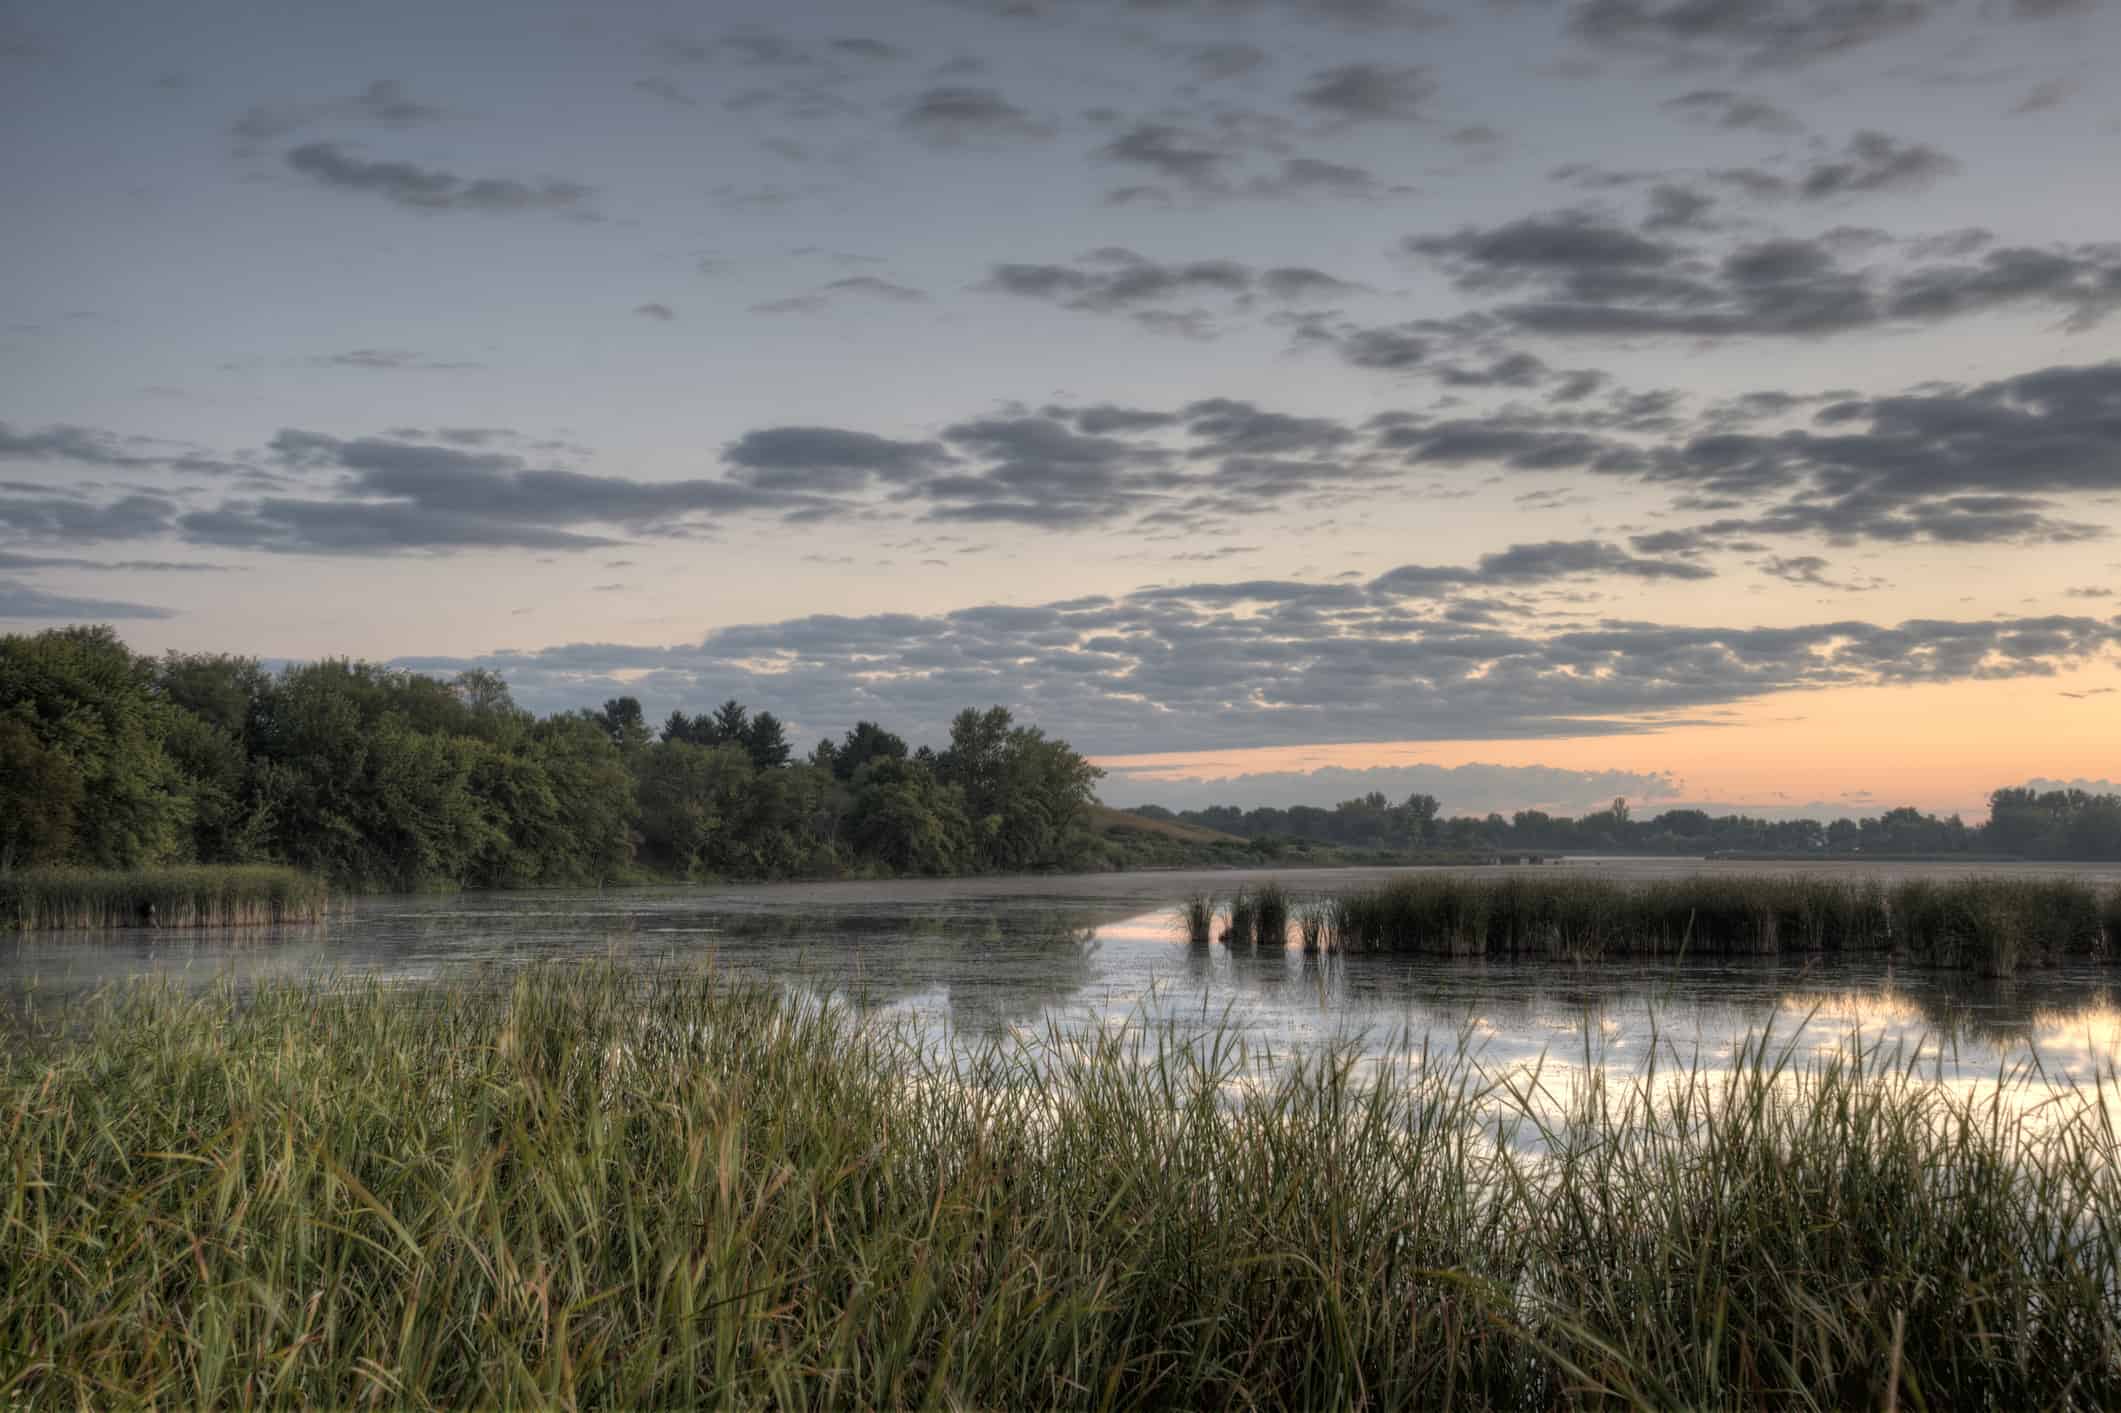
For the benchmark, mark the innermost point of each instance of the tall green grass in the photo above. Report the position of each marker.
(1990, 924)
(1241, 923)
(206, 896)
(585, 1191)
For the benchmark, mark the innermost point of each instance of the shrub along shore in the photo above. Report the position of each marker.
(1993, 925)
(592, 1190)
(254, 895)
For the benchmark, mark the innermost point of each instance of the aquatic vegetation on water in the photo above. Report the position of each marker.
(246, 895)
(1196, 918)
(1986, 924)
(1243, 921)
(594, 1190)
(1270, 916)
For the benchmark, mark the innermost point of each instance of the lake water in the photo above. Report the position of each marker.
(973, 959)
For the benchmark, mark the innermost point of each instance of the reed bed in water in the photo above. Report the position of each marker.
(1196, 918)
(1993, 924)
(1270, 916)
(1241, 923)
(585, 1191)
(243, 896)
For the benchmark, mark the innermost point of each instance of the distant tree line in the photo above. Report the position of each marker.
(379, 778)
(2056, 824)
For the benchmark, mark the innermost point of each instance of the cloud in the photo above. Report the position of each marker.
(661, 312)
(952, 116)
(1171, 152)
(1370, 93)
(395, 495)
(68, 519)
(384, 102)
(859, 287)
(1117, 280)
(1757, 34)
(1590, 276)
(829, 459)
(1211, 666)
(1722, 108)
(23, 601)
(1521, 565)
(430, 189)
(1874, 161)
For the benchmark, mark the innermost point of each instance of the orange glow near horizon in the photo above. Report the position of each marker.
(1941, 748)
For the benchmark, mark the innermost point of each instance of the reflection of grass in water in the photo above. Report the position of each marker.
(585, 1189)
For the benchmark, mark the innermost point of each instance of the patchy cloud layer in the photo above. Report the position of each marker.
(1246, 664)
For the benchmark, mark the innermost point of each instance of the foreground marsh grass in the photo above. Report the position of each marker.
(588, 1190)
(249, 895)
(1992, 925)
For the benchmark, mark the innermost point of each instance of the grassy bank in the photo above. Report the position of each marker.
(1993, 925)
(241, 896)
(585, 1192)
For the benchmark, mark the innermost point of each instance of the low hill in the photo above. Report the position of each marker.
(1106, 820)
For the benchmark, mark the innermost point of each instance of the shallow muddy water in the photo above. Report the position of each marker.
(979, 958)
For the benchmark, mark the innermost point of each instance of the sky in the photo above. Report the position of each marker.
(1703, 401)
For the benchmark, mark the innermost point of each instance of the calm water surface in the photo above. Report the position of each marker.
(978, 958)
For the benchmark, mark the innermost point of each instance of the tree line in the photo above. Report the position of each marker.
(379, 778)
(2025, 823)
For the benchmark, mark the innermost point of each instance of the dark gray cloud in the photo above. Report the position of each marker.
(829, 459)
(1591, 276)
(1762, 34)
(953, 115)
(392, 495)
(85, 446)
(1117, 280)
(1521, 565)
(662, 312)
(1722, 108)
(27, 602)
(67, 519)
(1184, 158)
(384, 101)
(1869, 162)
(431, 189)
(1370, 93)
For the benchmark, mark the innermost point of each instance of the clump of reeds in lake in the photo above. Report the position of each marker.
(1196, 918)
(1992, 924)
(1270, 916)
(1312, 921)
(1242, 923)
(590, 1190)
(250, 895)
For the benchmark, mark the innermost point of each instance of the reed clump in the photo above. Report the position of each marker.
(1196, 918)
(584, 1190)
(249, 895)
(1313, 920)
(1242, 922)
(1989, 924)
(1270, 916)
